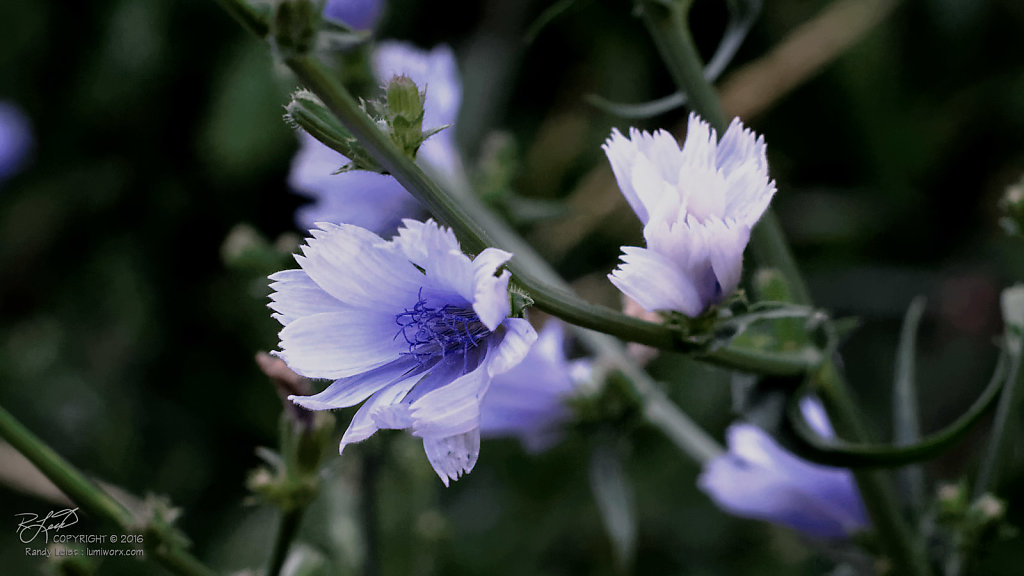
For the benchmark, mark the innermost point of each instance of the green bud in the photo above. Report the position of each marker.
(307, 112)
(295, 24)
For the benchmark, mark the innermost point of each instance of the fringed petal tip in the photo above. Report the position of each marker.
(453, 456)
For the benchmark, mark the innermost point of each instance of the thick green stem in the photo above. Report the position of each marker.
(90, 497)
(667, 23)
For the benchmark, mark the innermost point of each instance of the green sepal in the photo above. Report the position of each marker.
(307, 112)
(519, 300)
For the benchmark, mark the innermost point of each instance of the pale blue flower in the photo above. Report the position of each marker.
(369, 200)
(698, 205)
(530, 401)
(374, 201)
(412, 326)
(15, 140)
(758, 479)
(358, 14)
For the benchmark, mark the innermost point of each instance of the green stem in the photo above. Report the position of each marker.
(667, 22)
(906, 551)
(290, 521)
(249, 17)
(1002, 425)
(90, 497)
(479, 228)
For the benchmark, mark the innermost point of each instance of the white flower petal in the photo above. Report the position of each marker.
(655, 283)
(621, 152)
(453, 456)
(453, 408)
(340, 344)
(345, 392)
(364, 423)
(490, 292)
(295, 295)
(700, 146)
(725, 246)
(515, 345)
(358, 268)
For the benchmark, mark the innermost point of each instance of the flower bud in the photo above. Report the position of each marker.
(1011, 205)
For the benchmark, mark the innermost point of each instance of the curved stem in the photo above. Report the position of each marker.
(91, 498)
(666, 20)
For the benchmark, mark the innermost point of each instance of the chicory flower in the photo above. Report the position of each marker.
(697, 204)
(758, 479)
(412, 328)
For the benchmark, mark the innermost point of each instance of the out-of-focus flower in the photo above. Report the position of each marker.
(758, 479)
(369, 200)
(530, 400)
(357, 14)
(15, 140)
(412, 326)
(374, 201)
(697, 204)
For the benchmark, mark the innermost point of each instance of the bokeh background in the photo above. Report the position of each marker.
(131, 304)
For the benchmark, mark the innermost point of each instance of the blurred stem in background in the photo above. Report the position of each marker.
(667, 22)
(160, 539)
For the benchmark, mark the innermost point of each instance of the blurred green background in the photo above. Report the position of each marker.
(126, 339)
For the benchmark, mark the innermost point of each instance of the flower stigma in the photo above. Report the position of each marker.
(435, 331)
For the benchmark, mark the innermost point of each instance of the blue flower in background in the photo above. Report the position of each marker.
(369, 200)
(758, 479)
(412, 326)
(698, 205)
(15, 140)
(357, 14)
(530, 400)
(374, 201)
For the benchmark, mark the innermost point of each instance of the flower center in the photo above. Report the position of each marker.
(705, 192)
(431, 331)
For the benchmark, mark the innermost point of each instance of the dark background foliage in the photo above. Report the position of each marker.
(126, 339)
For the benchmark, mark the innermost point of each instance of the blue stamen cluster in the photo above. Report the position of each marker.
(431, 331)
